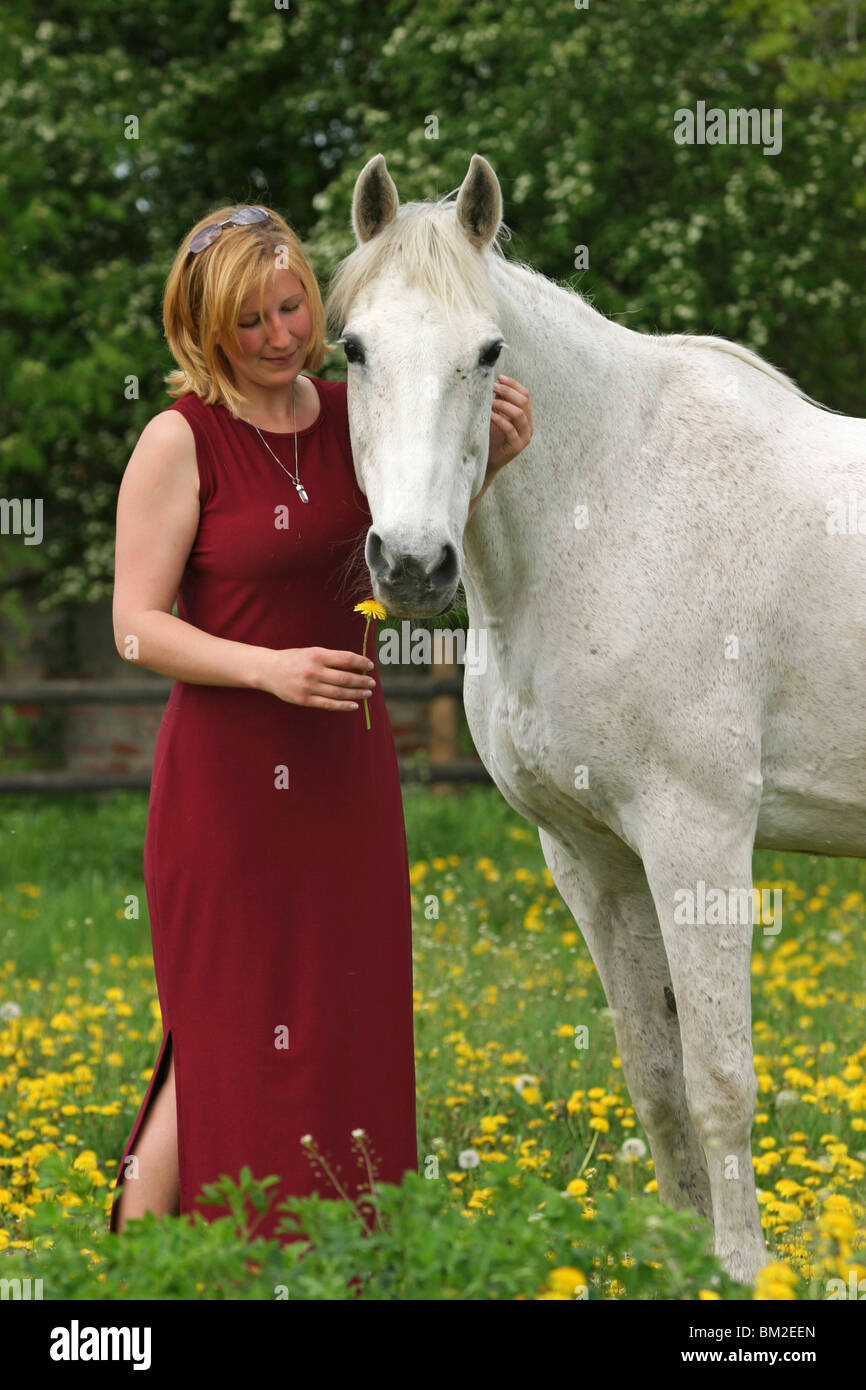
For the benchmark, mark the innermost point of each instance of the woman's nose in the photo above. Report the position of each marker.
(278, 334)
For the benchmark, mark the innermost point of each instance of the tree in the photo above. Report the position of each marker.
(121, 125)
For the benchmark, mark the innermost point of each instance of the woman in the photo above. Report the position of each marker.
(275, 857)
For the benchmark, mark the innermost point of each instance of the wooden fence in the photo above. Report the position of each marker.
(443, 693)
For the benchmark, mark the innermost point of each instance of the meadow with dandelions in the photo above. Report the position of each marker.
(535, 1180)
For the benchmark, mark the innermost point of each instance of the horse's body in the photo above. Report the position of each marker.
(674, 598)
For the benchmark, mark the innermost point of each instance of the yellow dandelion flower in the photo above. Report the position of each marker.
(370, 608)
(480, 1197)
(838, 1202)
(490, 1123)
(838, 1225)
(567, 1280)
(775, 1282)
(786, 1187)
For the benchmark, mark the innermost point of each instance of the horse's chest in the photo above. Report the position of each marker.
(530, 746)
(516, 740)
(508, 731)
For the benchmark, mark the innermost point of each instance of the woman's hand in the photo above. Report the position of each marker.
(318, 677)
(510, 429)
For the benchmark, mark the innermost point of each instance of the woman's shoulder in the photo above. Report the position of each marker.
(332, 391)
(334, 401)
(188, 404)
(201, 416)
(188, 408)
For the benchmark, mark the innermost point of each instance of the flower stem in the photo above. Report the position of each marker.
(588, 1155)
(364, 653)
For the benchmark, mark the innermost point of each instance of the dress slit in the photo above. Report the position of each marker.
(160, 1072)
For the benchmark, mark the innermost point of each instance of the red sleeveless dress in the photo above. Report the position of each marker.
(275, 860)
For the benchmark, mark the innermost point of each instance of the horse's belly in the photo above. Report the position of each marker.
(813, 767)
(811, 819)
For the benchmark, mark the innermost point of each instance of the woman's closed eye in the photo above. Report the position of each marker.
(287, 309)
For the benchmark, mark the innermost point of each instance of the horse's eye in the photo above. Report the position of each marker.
(353, 350)
(489, 355)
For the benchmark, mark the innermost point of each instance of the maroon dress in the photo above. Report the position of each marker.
(275, 860)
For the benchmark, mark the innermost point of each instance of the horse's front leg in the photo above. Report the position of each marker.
(605, 886)
(698, 862)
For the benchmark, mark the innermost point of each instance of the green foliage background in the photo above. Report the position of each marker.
(245, 101)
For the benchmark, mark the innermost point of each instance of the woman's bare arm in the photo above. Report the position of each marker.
(157, 520)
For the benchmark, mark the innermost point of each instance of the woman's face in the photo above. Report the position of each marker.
(273, 347)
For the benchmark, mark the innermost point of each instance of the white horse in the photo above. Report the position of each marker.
(672, 582)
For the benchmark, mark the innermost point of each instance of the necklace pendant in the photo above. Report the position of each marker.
(302, 492)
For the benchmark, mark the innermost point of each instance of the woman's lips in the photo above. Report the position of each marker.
(283, 360)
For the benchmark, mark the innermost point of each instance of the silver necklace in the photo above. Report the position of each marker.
(294, 476)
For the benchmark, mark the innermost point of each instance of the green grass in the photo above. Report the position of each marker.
(502, 977)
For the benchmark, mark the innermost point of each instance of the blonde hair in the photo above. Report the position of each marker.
(204, 292)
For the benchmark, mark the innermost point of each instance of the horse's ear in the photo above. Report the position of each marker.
(375, 200)
(479, 203)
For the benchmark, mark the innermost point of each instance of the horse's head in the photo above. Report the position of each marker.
(419, 325)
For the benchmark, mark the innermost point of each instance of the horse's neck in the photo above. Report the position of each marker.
(586, 378)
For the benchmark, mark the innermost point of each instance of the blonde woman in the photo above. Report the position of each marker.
(275, 858)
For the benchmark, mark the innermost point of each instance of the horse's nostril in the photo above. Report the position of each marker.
(396, 566)
(446, 569)
(373, 550)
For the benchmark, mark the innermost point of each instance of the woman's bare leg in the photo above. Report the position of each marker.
(156, 1188)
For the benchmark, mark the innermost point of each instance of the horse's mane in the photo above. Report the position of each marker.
(744, 354)
(426, 243)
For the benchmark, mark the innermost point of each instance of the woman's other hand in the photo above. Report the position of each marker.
(510, 429)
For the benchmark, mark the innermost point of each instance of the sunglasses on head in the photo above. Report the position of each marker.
(244, 217)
